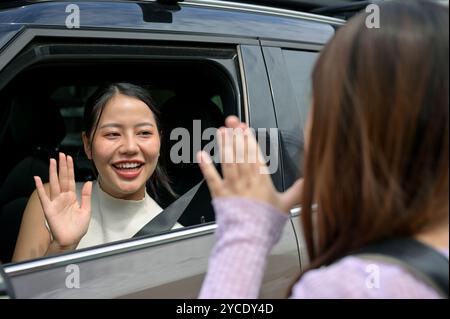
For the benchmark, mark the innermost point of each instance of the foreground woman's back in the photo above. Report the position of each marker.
(376, 166)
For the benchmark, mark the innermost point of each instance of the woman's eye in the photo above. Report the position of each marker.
(112, 135)
(145, 133)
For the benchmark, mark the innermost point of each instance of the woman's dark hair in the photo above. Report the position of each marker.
(159, 181)
(377, 160)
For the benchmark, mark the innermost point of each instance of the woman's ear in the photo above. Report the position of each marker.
(87, 145)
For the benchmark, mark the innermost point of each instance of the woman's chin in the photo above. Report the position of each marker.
(125, 188)
(130, 190)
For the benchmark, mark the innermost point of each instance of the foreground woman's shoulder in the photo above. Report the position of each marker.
(353, 277)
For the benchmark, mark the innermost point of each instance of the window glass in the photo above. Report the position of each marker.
(299, 66)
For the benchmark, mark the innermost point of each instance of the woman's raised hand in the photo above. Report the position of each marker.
(67, 219)
(244, 172)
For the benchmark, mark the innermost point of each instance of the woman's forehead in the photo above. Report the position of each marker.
(122, 108)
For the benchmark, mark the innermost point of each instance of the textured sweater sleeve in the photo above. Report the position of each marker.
(246, 232)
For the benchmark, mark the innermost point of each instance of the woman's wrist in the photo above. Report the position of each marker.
(241, 214)
(55, 248)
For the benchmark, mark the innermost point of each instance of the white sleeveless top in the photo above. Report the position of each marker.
(115, 219)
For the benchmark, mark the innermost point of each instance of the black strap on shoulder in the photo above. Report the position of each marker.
(169, 217)
(424, 262)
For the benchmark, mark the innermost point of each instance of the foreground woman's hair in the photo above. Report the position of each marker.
(377, 159)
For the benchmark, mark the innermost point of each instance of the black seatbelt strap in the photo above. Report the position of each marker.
(169, 217)
(424, 262)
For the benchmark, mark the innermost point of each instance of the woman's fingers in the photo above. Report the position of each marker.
(210, 173)
(227, 142)
(253, 151)
(63, 174)
(70, 174)
(253, 155)
(232, 121)
(53, 178)
(241, 160)
(43, 198)
(243, 155)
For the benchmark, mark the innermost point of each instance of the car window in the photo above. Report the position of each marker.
(49, 119)
(299, 67)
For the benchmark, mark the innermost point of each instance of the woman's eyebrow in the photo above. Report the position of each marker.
(144, 124)
(117, 125)
(110, 125)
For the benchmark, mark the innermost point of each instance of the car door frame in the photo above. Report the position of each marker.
(121, 269)
(287, 113)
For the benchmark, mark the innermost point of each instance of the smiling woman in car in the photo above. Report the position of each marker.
(122, 139)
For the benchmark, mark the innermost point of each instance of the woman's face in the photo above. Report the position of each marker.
(125, 148)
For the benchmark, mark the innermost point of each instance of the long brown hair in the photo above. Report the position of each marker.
(377, 161)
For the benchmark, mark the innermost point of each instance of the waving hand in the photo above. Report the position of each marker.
(68, 219)
(244, 172)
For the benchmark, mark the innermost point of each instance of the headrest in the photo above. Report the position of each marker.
(36, 121)
(180, 111)
(19, 183)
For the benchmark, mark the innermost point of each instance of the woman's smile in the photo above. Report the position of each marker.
(128, 169)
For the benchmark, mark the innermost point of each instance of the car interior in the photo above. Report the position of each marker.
(41, 114)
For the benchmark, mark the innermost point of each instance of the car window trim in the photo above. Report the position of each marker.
(246, 113)
(13, 269)
(253, 8)
(304, 46)
(28, 34)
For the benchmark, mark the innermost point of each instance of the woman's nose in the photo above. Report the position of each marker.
(129, 145)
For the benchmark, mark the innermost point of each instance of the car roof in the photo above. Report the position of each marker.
(195, 17)
(342, 9)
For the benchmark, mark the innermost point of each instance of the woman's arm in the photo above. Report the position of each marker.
(34, 238)
(250, 214)
(246, 232)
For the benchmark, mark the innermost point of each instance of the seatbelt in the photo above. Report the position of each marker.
(422, 261)
(169, 217)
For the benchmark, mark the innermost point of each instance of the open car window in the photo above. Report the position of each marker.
(194, 88)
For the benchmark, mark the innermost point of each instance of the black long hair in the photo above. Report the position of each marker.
(159, 182)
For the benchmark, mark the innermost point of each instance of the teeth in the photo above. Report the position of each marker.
(128, 165)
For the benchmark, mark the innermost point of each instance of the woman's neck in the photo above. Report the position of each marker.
(137, 196)
(436, 236)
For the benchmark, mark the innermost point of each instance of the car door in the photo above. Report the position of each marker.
(169, 265)
(290, 68)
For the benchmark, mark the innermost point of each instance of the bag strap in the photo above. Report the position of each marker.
(169, 217)
(422, 261)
